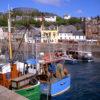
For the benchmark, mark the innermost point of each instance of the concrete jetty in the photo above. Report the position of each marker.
(6, 94)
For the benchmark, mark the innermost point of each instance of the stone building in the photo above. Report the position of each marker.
(92, 28)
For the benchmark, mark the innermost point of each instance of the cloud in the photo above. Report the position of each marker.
(79, 11)
(49, 2)
(52, 2)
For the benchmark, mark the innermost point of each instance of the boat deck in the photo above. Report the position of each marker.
(23, 77)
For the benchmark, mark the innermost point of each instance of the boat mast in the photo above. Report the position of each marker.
(9, 34)
(42, 28)
(36, 54)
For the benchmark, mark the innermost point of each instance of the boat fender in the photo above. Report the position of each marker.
(65, 71)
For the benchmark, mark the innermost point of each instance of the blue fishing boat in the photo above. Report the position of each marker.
(55, 80)
(60, 86)
(56, 88)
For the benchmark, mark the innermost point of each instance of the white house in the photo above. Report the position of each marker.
(71, 36)
(50, 18)
(70, 33)
(46, 18)
(33, 36)
(38, 18)
(29, 39)
(67, 17)
(2, 35)
(79, 36)
(65, 36)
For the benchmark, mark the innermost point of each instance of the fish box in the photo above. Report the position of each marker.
(21, 81)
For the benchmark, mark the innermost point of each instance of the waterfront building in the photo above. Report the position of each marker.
(65, 36)
(4, 32)
(79, 36)
(70, 33)
(29, 35)
(49, 35)
(71, 36)
(92, 28)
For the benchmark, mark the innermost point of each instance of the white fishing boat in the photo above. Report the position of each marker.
(69, 59)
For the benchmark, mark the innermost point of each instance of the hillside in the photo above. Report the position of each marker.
(23, 15)
(29, 11)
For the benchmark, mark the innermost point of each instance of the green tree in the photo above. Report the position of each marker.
(74, 21)
(3, 22)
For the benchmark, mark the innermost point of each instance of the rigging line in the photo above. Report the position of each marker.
(19, 30)
(20, 44)
(49, 82)
(32, 42)
(27, 44)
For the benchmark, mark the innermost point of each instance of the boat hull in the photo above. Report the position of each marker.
(71, 61)
(57, 87)
(32, 92)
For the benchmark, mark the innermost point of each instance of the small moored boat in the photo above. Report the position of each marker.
(68, 59)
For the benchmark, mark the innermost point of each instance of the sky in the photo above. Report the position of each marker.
(75, 8)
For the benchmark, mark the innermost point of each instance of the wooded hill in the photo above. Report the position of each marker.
(31, 13)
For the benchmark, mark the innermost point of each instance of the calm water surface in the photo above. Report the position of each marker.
(85, 82)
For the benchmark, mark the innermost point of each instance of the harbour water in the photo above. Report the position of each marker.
(85, 82)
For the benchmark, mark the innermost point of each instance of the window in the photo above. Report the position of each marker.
(54, 34)
(8, 75)
(0, 68)
(49, 34)
(60, 38)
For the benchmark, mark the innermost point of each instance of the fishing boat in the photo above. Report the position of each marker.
(69, 59)
(54, 79)
(14, 77)
(53, 82)
(85, 56)
(27, 86)
(87, 59)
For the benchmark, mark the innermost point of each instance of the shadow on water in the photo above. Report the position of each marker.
(85, 82)
(44, 97)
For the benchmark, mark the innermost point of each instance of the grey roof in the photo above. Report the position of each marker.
(52, 27)
(79, 32)
(33, 31)
(67, 29)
